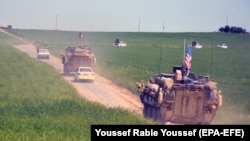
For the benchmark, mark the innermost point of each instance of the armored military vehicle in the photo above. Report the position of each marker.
(74, 57)
(174, 98)
(180, 96)
(179, 99)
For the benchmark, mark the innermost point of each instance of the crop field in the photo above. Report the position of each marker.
(147, 54)
(36, 103)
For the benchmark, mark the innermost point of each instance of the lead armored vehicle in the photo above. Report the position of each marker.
(176, 98)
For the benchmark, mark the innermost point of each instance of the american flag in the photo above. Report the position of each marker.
(188, 58)
(81, 36)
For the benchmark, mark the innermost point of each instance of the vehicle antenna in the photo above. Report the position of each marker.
(184, 46)
(159, 71)
(211, 59)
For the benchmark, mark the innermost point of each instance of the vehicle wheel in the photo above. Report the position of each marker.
(146, 111)
(158, 116)
(151, 112)
(65, 71)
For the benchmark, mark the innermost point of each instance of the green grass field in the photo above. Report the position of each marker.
(36, 103)
(124, 66)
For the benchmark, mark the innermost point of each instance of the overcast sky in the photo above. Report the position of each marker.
(126, 15)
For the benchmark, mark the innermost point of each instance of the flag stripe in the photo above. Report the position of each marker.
(188, 58)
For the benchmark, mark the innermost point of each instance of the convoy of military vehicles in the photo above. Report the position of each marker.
(167, 97)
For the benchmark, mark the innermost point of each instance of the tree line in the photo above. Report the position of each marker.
(233, 29)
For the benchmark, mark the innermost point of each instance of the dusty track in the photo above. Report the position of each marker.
(102, 90)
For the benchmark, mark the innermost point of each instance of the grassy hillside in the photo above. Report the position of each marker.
(141, 59)
(37, 104)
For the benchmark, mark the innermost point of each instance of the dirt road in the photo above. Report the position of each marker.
(102, 90)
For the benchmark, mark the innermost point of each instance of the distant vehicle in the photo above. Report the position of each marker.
(122, 44)
(119, 43)
(222, 46)
(198, 45)
(43, 53)
(84, 73)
